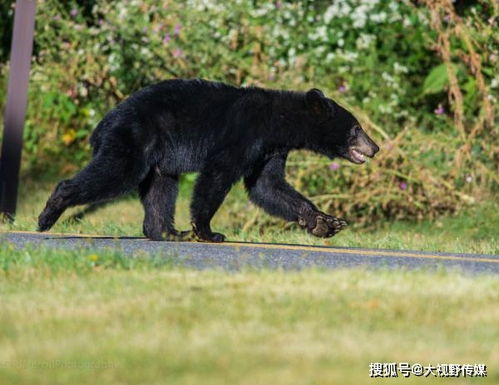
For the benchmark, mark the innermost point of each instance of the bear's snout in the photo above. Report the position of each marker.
(361, 145)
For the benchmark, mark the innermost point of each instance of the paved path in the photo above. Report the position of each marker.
(237, 255)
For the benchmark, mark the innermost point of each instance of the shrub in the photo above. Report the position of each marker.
(420, 75)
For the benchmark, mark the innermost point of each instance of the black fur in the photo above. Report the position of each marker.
(225, 133)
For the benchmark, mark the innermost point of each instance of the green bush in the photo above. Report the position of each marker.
(393, 63)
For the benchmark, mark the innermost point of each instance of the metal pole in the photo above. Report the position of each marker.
(15, 110)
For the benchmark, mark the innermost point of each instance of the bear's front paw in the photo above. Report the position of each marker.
(323, 225)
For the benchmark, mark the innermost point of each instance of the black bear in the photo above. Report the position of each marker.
(224, 132)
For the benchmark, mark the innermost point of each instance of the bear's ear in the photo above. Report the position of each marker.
(317, 102)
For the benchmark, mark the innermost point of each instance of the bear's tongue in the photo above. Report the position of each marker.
(358, 156)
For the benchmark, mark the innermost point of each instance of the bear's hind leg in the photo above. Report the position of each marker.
(54, 207)
(104, 178)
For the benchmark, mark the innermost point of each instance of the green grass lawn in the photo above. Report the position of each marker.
(89, 317)
(83, 318)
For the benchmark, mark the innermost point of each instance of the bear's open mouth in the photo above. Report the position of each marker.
(357, 156)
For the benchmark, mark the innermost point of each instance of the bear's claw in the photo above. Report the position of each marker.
(324, 226)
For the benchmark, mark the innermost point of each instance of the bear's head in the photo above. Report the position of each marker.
(336, 132)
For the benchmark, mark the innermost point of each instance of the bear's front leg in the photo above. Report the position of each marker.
(321, 225)
(212, 185)
(268, 188)
(158, 193)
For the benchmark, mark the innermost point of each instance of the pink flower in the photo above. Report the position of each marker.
(166, 39)
(177, 52)
(343, 88)
(403, 186)
(440, 110)
(334, 166)
(73, 12)
(72, 93)
(177, 29)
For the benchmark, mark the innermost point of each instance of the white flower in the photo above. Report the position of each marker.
(400, 68)
(386, 76)
(350, 56)
(320, 50)
(259, 12)
(144, 51)
(337, 9)
(319, 34)
(393, 5)
(345, 9)
(122, 13)
(385, 109)
(390, 81)
(378, 17)
(359, 22)
(343, 69)
(330, 13)
(364, 41)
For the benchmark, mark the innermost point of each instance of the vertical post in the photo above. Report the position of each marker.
(15, 110)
